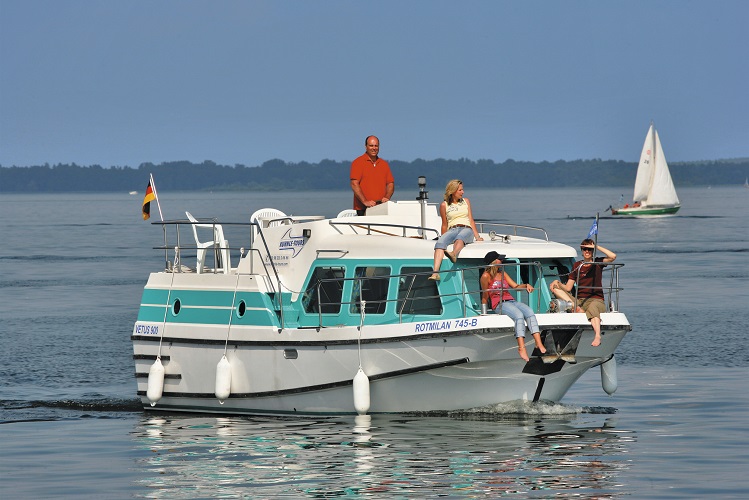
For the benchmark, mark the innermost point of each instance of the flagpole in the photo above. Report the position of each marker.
(152, 184)
(595, 242)
(156, 195)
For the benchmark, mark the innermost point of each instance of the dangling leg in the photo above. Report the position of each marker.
(511, 309)
(539, 344)
(593, 308)
(521, 349)
(439, 254)
(457, 247)
(596, 324)
(532, 322)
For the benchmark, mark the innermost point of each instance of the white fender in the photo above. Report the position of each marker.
(361, 392)
(155, 381)
(223, 379)
(608, 376)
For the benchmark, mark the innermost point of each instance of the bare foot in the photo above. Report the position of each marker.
(435, 277)
(596, 341)
(450, 256)
(539, 344)
(523, 354)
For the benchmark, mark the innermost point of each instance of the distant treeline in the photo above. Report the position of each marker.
(278, 175)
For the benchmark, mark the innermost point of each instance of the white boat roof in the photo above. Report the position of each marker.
(389, 232)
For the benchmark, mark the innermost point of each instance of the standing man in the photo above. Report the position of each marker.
(371, 179)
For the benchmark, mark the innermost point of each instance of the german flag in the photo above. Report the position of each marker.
(147, 201)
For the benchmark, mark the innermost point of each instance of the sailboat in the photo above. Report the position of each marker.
(654, 190)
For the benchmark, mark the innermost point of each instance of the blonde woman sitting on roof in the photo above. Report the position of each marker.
(458, 227)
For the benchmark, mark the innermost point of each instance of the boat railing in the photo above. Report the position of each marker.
(177, 265)
(217, 247)
(496, 230)
(379, 228)
(493, 229)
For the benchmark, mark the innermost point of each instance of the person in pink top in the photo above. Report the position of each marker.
(495, 283)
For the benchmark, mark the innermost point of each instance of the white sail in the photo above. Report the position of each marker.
(645, 168)
(662, 191)
(654, 189)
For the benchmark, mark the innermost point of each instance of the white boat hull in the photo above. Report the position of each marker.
(452, 370)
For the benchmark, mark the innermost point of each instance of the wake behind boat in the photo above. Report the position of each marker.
(337, 316)
(654, 192)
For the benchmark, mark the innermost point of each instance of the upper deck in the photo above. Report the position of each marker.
(329, 272)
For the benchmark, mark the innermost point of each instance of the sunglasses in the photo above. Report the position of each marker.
(586, 249)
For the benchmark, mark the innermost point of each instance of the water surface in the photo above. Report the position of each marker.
(73, 268)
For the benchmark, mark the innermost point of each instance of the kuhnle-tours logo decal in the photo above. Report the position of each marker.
(293, 243)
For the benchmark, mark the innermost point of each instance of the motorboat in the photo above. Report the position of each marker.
(330, 316)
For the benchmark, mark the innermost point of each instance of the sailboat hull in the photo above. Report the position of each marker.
(638, 211)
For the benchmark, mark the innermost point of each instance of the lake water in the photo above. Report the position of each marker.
(73, 267)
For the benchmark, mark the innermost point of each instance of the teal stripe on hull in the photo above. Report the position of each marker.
(210, 298)
(207, 317)
(207, 307)
(151, 313)
(154, 296)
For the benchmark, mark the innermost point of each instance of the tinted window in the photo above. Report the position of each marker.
(417, 294)
(371, 286)
(325, 290)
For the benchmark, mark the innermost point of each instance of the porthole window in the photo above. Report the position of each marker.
(176, 306)
(241, 308)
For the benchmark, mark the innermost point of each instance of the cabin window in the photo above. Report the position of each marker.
(416, 293)
(472, 282)
(325, 290)
(371, 286)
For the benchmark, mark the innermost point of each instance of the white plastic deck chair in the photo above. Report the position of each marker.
(349, 212)
(223, 257)
(265, 217)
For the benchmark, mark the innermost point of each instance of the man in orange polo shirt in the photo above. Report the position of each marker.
(371, 179)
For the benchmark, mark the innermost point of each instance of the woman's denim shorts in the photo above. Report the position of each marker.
(464, 234)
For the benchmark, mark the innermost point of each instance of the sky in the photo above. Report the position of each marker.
(242, 82)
